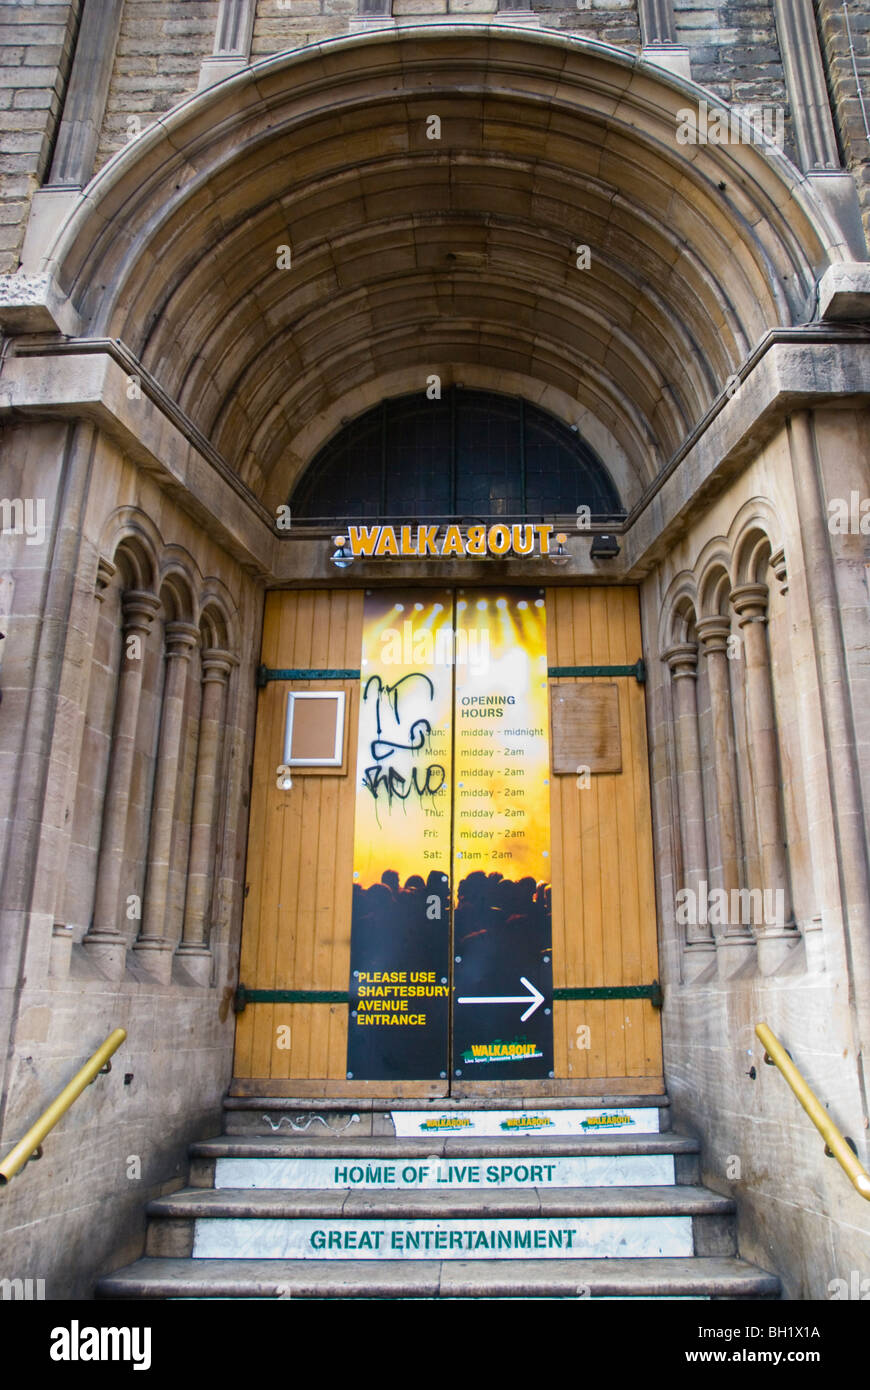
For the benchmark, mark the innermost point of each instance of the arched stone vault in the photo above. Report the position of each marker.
(412, 255)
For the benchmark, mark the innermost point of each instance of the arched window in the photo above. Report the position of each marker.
(469, 454)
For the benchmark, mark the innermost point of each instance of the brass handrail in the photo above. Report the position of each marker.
(836, 1144)
(30, 1144)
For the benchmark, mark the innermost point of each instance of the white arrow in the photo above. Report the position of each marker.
(534, 999)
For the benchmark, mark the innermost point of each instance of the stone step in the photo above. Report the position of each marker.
(481, 1175)
(552, 1116)
(312, 1225)
(582, 1201)
(697, 1278)
(604, 1156)
(387, 1146)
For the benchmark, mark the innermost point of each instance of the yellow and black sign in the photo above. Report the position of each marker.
(452, 787)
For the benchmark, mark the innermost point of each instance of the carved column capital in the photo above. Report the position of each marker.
(181, 638)
(682, 660)
(138, 611)
(750, 603)
(713, 633)
(216, 665)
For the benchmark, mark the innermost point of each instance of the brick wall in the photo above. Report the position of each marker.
(279, 26)
(160, 48)
(36, 43)
(734, 48)
(610, 21)
(848, 115)
(298, 22)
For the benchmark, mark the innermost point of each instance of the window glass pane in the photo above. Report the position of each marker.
(510, 458)
(418, 458)
(488, 455)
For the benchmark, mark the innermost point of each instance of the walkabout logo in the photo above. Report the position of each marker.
(614, 1119)
(753, 125)
(395, 542)
(516, 1050)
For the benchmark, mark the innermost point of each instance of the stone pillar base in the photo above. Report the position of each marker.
(735, 955)
(673, 57)
(108, 951)
(699, 958)
(155, 955)
(60, 951)
(197, 961)
(775, 947)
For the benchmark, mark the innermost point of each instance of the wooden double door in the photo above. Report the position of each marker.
(309, 867)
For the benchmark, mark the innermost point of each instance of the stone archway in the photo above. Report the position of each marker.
(460, 255)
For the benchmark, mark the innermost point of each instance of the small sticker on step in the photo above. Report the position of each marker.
(498, 1123)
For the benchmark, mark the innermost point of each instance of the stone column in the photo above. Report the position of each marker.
(194, 949)
(62, 935)
(84, 106)
(750, 604)
(659, 35)
(106, 944)
(714, 633)
(805, 80)
(657, 22)
(154, 947)
(838, 715)
(817, 152)
(683, 663)
(232, 43)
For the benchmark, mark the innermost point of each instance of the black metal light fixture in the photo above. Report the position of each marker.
(604, 548)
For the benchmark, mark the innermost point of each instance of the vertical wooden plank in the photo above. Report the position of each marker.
(568, 943)
(254, 871)
(649, 961)
(630, 786)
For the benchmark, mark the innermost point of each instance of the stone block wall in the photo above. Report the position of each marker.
(734, 48)
(851, 118)
(797, 1212)
(160, 49)
(608, 21)
(36, 45)
(80, 1210)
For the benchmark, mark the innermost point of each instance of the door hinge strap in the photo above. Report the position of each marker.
(245, 996)
(651, 992)
(266, 674)
(638, 670)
